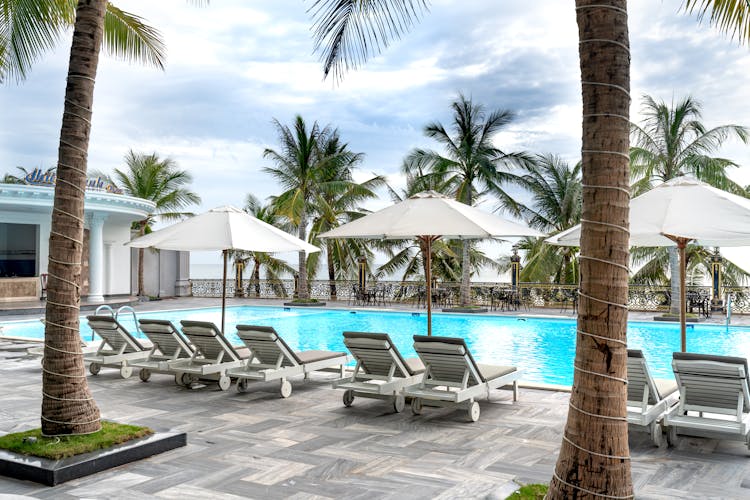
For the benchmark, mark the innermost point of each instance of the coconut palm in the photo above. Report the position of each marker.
(29, 28)
(556, 205)
(730, 16)
(274, 267)
(672, 141)
(595, 440)
(338, 203)
(159, 180)
(472, 164)
(301, 167)
(67, 404)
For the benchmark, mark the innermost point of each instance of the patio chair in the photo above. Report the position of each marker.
(649, 399)
(118, 348)
(715, 390)
(453, 378)
(381, 372)
(169, 345)
(212, 356)
(272, 359)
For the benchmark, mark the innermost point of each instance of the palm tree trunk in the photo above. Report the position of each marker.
(67, 404)
(331, 271)
(674, 280)
(141, 256)
(302, 292)
(465, 291)
(594, 456)
(256, 278)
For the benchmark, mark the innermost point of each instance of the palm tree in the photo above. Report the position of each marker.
(301, 165)
(158, 180)
(472, 165)
(274, 267)
(673, 141)
(730, 16)
(594, 456)
(29, 28)
(556, 206)
(337, 203)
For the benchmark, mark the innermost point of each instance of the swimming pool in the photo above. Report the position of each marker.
(543, 347)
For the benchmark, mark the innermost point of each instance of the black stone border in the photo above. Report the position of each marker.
(304, 304)
(52, 472)
(466, 310)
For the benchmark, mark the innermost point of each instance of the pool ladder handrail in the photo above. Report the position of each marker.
(116, 314)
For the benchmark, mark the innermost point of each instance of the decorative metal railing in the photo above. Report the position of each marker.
(489, 294)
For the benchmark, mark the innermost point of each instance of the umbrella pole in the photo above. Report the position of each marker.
(428, 275)
(681, 244)
(224, 290)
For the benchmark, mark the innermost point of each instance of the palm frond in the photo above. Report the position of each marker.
(128, 37)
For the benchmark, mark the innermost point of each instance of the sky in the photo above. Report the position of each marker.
(235, 66)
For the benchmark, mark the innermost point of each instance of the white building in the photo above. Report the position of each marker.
(25, 220)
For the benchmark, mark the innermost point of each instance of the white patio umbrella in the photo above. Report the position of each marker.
(677, 212)
(428, 216)
(223, 228)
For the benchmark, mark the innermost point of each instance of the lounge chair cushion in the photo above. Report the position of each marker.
(665, 387)
(312, 356)
(382, 341)
(490, 372)
(415, 365)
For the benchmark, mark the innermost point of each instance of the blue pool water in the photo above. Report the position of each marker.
(543, 348)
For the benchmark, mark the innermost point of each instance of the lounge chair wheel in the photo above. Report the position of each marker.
(399, 402)
(242, 384)
(126, 371)
(145, 374)
(656, 434)
(186, 380)
(474, 411)
(348, 397)
(416, 406)
(672, 436)
(224, 382)
(285, 389)
(178, 378)
(95, 368)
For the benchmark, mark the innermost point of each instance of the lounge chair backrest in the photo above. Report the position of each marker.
(267, 345)
(447, 359)
(166, 338)
(114, 334)
(376, 353)
(208, 340)
(639, 378)
(708, 381)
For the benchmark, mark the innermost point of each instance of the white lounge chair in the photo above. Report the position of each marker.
(381, 371)
(715, 389)
(272, 359)
(213, 355)
(168, 346)
(453, 378)
(648, 398)
(119, 349)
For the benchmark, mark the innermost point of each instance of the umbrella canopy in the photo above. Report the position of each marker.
(428, 216)
(223, 228)
(677, 212)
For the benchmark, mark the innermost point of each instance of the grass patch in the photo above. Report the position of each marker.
(530, 492)
(56, 448)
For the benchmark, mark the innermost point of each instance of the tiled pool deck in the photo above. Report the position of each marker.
(256, 445)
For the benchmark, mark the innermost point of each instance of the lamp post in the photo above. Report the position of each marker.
(716, 261)
(362, 276)
(515, 268)
(239, 266)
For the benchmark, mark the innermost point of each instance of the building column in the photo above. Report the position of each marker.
(183, 287)
(96, 257)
